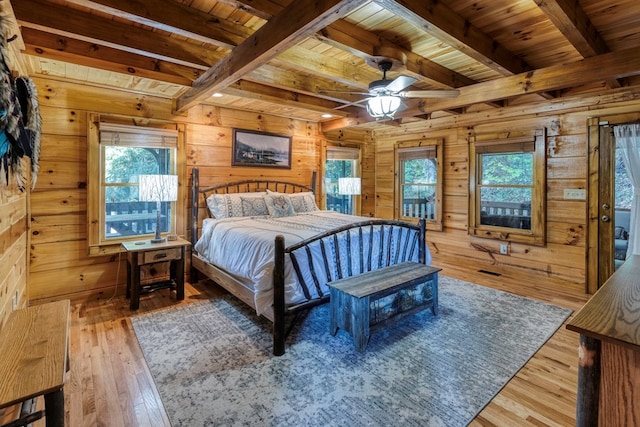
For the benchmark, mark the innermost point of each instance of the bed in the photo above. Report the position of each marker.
(268, 244)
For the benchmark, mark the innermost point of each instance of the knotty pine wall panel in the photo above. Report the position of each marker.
(13, 249)
(60, 266)
(561, 261)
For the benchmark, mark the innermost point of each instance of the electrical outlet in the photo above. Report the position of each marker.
(575, 194)
(504, 249)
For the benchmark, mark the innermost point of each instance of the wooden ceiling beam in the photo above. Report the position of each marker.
(44, 16)
(340, 71)
(173, 17)
(435, 18)
(365, 44)
(264, 9)
(575, 25)
(283, 31)
(618, 64)
(291, 80)
(260, 92)
(47, 45)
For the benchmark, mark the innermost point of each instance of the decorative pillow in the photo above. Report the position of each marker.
(231, 205)
(279, 205)
(303, 202)
(253, 206)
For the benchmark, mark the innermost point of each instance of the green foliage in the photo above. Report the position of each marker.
(504, 175)
(124, 164)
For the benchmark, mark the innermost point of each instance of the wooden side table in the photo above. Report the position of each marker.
(144, 252)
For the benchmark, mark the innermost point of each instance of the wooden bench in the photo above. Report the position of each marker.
(34, 354)
(353, 299)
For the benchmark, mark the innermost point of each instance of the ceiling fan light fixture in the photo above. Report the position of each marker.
(383, 106)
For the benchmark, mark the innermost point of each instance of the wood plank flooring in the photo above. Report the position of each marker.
(109, 383)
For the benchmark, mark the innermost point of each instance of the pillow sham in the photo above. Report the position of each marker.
(303, 202)
(279, 205)
(236, 205)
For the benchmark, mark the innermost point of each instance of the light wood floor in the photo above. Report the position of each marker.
(109, 383)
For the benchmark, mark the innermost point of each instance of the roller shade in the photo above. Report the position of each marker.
(413, 153)
(525, 144)
(342, 153)
(137, 136)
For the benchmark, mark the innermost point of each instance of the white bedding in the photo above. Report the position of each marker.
(244, 247)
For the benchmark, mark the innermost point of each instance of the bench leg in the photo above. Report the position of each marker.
(54, 408)
(336, 311)
(434, 294)
(360, 327)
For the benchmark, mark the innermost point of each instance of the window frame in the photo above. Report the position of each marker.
(528, 141)
(350, 153)
(98, 244)
(430, 144)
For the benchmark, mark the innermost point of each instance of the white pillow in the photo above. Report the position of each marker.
(237, 205)
(303, 202)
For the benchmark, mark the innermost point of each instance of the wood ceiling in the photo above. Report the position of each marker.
(281, 56)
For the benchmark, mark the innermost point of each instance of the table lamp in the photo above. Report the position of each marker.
(158, 188)
(349, 186)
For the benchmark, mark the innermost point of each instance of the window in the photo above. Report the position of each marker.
(507, 188)
(419, 192)
(342, 162)
(118, 155)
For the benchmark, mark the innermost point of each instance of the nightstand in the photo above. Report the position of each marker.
(144, 252)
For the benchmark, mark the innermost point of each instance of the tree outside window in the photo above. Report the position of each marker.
(507, 188)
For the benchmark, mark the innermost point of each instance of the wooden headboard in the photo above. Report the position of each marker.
(244, 186)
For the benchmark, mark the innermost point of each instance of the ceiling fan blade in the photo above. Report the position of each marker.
(429, 93)
(344, 91)
(400, 83)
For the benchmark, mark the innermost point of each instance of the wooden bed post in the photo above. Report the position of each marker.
(195, 195)
(422, 257)
(278, 297)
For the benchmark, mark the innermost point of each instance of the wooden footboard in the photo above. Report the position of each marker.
(396, 243)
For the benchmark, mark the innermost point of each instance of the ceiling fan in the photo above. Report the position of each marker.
(385, 96)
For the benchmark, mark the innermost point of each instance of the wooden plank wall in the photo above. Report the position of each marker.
(59, 262)
(14, 234)
(60, 266)
(561, 262)
(13, 248)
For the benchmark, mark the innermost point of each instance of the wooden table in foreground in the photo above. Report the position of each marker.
(33, 349)
(609, 353)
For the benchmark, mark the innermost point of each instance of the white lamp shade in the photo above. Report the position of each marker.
(349, 186)
(383, 106)
(158, 188)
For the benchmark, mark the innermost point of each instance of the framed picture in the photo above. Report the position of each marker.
(251, 148)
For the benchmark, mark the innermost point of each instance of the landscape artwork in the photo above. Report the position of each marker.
(252, 148)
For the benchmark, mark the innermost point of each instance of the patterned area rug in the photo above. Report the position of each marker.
(212, 362)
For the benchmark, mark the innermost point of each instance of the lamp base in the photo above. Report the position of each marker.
(162, 240)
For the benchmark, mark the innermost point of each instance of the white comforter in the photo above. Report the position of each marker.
(244, 247)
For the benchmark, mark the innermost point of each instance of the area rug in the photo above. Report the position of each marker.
(212, 362)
